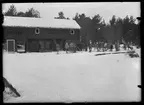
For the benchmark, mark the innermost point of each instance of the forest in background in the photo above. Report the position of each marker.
(94, 28)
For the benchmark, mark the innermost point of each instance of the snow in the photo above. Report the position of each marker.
(73, 77)
(40, 22)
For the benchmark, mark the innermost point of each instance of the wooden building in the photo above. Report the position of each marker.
(38, 34)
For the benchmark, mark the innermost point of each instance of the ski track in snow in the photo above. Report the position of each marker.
(48, 77)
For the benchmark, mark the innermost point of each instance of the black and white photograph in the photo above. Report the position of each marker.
(71, 52)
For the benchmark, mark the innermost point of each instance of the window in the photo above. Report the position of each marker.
(37, 31)
(71, 32)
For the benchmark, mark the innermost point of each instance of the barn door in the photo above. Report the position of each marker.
(11, 45)
(33, 46)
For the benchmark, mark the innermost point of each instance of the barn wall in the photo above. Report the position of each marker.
(29, 33)
(14, 33)
(26, 35)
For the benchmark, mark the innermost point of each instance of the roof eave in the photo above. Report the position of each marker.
(39, 27)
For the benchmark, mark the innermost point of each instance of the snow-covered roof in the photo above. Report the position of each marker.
(40, 22)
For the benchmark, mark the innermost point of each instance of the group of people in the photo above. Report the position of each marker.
(69, 46)
(98, 46)
(104, 46)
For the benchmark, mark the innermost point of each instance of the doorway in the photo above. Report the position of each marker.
(11, 45)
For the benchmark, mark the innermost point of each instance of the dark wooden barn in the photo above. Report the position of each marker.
(38, 34)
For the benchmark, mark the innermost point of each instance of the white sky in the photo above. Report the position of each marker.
(105, 9)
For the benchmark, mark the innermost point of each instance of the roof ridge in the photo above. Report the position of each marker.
(34, 18)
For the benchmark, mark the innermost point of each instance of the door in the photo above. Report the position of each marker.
(11, 45)
(33, 46)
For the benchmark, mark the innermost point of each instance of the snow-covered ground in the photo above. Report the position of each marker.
(73, 77)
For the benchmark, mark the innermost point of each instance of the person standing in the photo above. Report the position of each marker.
(125, 44)
(103, 46)
(57, 48)
(98, 47)
(85, 46)
(66, 47)
(94, 46)
(90, 46)
(111, 46)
